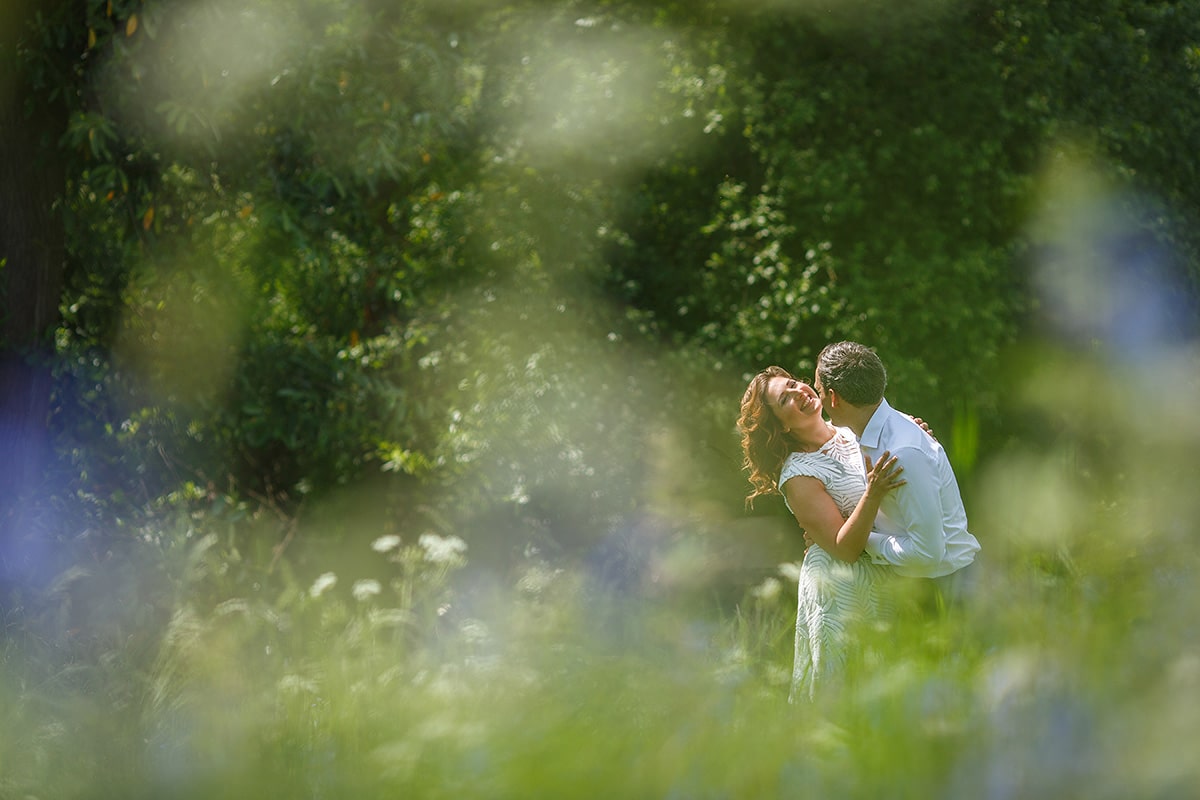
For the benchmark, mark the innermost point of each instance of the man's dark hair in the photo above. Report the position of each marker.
(854, 371)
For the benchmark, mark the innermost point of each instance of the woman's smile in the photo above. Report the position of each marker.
(792, 398)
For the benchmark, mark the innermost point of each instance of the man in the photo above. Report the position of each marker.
(921, 528)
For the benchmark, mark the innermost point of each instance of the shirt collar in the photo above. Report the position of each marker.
(874, 430)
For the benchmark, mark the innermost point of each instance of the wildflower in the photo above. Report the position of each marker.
(324, 581)
(768, 590)
(790, 570)
(385, 543)
(365, 589)
(537, 579)
(442, 549)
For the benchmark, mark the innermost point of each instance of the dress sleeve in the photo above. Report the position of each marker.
(799, 464)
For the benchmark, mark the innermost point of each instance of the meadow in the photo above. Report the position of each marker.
(405, 670)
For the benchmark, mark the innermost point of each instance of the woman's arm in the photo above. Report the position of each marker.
(818, 515)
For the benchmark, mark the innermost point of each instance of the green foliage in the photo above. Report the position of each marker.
(256, 262)
(750, 185)
(889, 144)
(870, 191)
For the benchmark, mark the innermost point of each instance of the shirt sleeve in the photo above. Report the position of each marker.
(917, 509)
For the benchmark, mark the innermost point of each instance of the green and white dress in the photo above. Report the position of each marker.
(836, 598)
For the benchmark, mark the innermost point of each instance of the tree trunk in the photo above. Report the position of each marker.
(31, 270)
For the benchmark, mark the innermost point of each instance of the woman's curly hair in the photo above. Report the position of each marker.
(765, 445)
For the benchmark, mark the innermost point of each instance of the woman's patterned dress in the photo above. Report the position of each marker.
(835, 597)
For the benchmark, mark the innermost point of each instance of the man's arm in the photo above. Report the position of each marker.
(917, 508)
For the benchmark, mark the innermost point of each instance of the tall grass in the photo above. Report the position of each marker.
(1073, 673)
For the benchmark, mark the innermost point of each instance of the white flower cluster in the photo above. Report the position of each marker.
(325, 581)
(442, 549)
(365, 589)
(385, 543)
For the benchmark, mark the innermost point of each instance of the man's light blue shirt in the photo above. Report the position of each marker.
(921, 529)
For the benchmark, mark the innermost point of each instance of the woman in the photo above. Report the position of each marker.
(789, 448)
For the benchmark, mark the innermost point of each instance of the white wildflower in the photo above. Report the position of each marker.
(768, 590)
(323, 582)
(790, 570)
(537, 579)
(232, 606)
(442, 549)
(386, 543)
(365, 589)
(295, 684)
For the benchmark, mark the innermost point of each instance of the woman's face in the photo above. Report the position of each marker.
(792, 401)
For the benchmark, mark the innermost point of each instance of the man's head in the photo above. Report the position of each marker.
(854, 374)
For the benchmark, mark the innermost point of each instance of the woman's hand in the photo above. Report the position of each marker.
(923, 425)
(884, 475)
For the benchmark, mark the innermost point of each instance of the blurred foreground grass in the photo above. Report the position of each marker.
(1076, 674)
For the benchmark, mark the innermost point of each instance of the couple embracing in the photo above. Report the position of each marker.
(872, 489)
